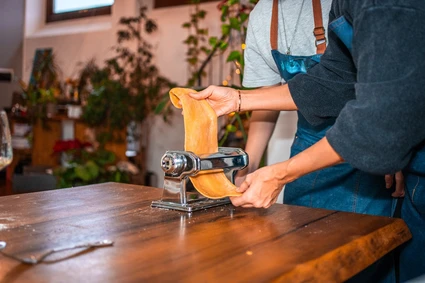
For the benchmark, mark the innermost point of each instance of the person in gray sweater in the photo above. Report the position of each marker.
(374, 59)
(274, 45)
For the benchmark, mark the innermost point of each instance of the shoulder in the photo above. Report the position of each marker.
(352, 9)
(261, 12)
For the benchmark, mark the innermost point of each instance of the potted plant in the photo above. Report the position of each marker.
(82, 164)
(127, 89)
(42, 92)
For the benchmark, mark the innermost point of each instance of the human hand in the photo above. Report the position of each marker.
(223, 100)
(260, 188)
(399, 183)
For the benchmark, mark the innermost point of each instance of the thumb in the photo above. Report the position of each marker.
(242, 188)
(245, 185)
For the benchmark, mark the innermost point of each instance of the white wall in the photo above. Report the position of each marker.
(73, 41)
(78, 40)
(82, 39)
(11, 38)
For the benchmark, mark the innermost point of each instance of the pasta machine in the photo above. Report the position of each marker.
(178, 166)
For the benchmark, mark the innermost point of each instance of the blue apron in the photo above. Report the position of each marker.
(412, 253)
(340, 187)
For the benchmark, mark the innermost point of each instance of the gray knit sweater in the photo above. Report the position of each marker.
(382, 125)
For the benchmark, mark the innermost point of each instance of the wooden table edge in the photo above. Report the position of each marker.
(370, 253)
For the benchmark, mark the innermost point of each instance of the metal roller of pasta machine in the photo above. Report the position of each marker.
(178, 166)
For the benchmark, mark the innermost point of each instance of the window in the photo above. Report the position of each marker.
(60, 10)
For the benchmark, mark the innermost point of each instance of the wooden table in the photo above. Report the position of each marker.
(283, 243)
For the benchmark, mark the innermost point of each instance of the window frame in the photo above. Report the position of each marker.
(52, 17)
(168, 3)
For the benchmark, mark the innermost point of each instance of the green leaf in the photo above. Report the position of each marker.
(231, 128)
(224, 12)
(205, 50)
(161, 106)
(192, 61)
(82, 173)
(186, 25)
(201, 14)
(234, 56)
(225, 29)
(105, 157)
(117, 176)
(234, 24)
(191, 39)
(224, 45)
(93, 169)
(213, 41)
(244, 17)
(203, 31)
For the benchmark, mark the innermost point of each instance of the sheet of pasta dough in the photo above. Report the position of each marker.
(200, 126)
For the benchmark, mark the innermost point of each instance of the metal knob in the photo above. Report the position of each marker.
(173, 163)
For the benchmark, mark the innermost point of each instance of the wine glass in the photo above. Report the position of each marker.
(6, 153)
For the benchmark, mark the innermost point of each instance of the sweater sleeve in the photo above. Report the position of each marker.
(324, 90)
(378, 131)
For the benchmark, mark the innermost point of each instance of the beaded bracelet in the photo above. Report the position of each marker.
(240, 101)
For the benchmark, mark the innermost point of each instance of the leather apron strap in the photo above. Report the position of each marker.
(273, 25)
(319, 30)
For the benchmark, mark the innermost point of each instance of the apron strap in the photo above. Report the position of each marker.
(319, 30)
(273, 26)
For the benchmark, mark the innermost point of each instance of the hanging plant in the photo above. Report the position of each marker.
(234, 18)
(196, 41)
